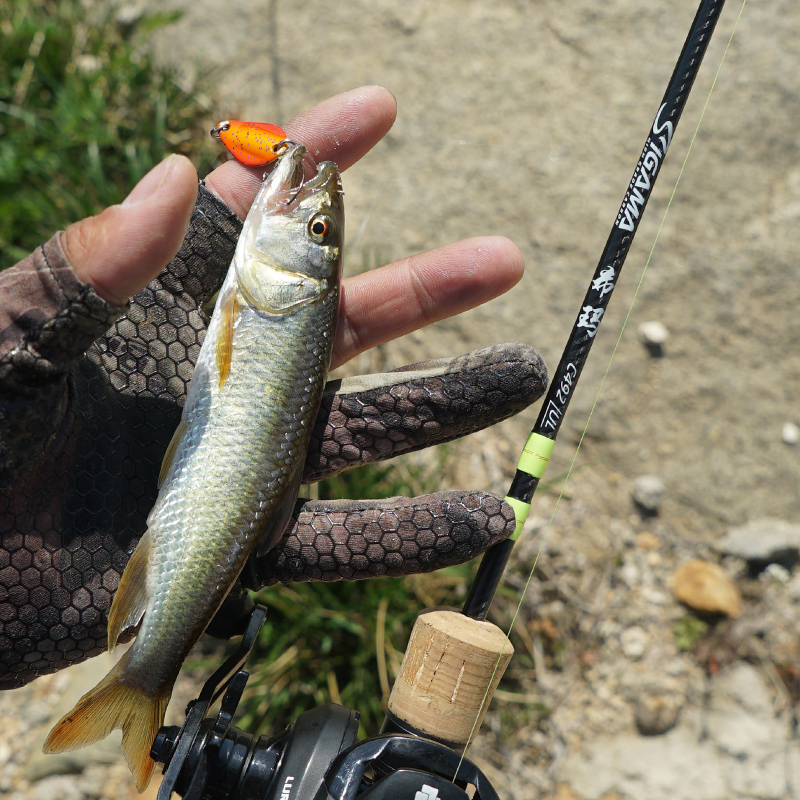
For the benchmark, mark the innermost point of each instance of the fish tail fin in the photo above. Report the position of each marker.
(112, 704)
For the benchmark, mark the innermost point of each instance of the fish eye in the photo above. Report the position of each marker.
(319, 227)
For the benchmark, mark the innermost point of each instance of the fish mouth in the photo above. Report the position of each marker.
(327, 180)
(287, 187)
(289, 174)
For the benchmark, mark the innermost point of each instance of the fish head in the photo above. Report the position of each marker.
(290, 251)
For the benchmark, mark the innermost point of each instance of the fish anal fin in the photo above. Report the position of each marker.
(114, 704)
(228, 308)
(172, 448)
(131, 597)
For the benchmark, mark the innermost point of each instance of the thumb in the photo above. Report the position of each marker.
(122, 249)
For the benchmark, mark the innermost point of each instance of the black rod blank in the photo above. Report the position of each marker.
(594, 304)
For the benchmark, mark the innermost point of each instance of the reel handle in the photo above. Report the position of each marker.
(441, 689)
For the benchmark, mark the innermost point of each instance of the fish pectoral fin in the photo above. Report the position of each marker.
(172, 448)
(279, 519)
(131, 598)
(229, 309)
(113, 704)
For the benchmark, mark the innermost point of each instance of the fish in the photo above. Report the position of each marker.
(252, 143)
(232, 472)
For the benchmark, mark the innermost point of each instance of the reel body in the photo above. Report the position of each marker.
(317, 757)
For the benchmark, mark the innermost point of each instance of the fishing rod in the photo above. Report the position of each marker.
(540, 443)
(454, 659)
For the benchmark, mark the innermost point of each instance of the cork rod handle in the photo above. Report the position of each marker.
(440, 690)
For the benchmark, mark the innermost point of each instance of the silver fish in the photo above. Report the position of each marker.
(232, 472)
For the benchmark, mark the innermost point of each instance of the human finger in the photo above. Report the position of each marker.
(354, 539)
(342, 129)
(119, 251)
(374, 417)
(399, 298)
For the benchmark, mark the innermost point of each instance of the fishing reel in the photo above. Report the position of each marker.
(317, 757)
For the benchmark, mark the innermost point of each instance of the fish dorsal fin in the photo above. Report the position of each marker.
(131, 598)
(228, 308)
(172, 448)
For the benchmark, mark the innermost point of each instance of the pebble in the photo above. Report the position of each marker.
(61, 787)
(657, 713)
(706, 587)
(653, 336)
(37, 713)
(629, 573)
(790, 433)
(793, 588)
(676, 667)
(762, 542)
(777, 573)
(127, 16)
(634, 642)
(647, 541)
(88, 64)
(648, 492)
(655, 597)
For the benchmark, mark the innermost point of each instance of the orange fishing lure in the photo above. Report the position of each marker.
(251, 143)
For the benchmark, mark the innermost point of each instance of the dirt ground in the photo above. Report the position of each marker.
(526, 119)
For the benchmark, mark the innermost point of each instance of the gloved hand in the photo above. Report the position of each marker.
(91, 390)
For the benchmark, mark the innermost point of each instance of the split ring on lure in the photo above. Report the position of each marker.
(252, 143)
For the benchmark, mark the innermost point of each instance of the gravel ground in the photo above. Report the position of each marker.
(525, 119)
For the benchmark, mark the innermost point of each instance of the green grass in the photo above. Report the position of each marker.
(688, 631)
(84, 114)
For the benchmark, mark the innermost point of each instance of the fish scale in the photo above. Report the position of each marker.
(232, 473)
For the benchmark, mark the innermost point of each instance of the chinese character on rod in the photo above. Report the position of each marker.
(590, 319)
(605, 283)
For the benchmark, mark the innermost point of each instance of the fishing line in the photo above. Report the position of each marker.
(608, 366)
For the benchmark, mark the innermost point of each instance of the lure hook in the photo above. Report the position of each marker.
(219, 129)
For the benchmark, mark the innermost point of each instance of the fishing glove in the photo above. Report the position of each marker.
(90, 394)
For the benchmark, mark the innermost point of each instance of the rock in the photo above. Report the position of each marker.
(652, 768)
(647, 493)
(647, 541)
(60, 787)
(127, 16)
(655, 597)
(563, 792)
(88, 64)
(37, 713)
(657, 713)
(762, 542)
(706, 587)
(743, 686)
(790, 433)
(629, 573)
(778, 573)
(793, 588)
(653, 336)
(634, 642)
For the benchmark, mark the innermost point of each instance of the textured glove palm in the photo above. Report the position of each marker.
(85, 421)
